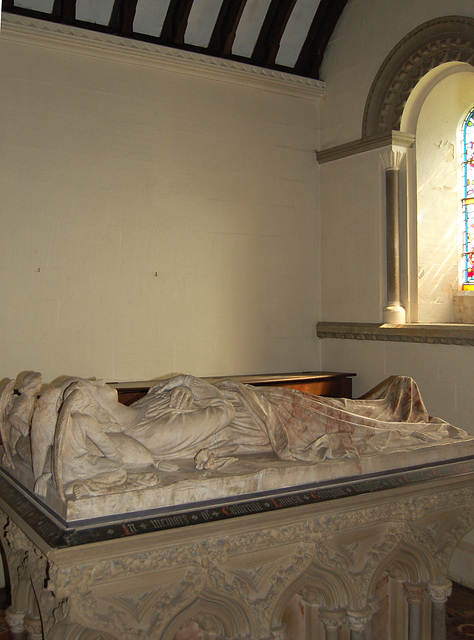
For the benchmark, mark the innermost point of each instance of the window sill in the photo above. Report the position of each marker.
(452, 333)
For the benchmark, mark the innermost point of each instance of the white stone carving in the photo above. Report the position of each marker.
(333, 619)
(440, 592)
(358, 620)
(77, 442)
(234, 578)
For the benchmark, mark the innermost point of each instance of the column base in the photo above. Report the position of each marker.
(394, 315)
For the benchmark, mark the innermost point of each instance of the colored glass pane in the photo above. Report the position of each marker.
(468, 200)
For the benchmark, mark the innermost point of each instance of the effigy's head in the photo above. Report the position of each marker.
(92, 397)
(31, 383)
(105, 395)
(78, 396)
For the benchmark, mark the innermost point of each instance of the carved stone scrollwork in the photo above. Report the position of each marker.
(236, 581)
(128, 615)
(437, 540)
(357, 563)
(209, 623)
(261, 586)
(27, 568)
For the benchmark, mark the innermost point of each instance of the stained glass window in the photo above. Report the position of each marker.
(468, 201)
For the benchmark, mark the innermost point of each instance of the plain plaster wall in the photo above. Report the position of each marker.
(352, 239)
(153, 221)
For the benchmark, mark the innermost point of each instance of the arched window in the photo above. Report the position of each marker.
(424, 89)
(468, 202)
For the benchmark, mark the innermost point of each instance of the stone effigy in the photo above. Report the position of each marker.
(227, 511)
(188, 440)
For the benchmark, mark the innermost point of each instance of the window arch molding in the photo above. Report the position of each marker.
(437, 42)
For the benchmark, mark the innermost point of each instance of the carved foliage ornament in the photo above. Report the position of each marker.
(214, 552)
(217, 566)
(447, 39)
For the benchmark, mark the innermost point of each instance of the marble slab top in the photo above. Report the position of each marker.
(249, 477)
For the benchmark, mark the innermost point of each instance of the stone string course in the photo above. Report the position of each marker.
(457, 334)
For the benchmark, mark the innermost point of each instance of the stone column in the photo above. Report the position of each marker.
(393, 312)
(415, 595)
(333, 622)
(16, 621)
(358, 622)
(439, 593)
(374, 607)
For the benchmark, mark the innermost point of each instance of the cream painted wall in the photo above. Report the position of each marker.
(353, 244)
(153, 221)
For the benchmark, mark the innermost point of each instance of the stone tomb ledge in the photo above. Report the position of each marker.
(248, 477)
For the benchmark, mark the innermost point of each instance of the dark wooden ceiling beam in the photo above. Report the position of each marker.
(224, 29)
(122, 17)
(312, 53)
(65, 10)
(223, 34)
(268, 41)
(176, 21)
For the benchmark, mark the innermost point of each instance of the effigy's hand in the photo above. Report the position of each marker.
(171, 383)
(181, 398)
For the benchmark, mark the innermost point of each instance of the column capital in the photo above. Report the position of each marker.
(15, 620)
(334, 619)
(33, 627)
(414, 593)
(391, 160)
(359, 619)
(440, 592)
